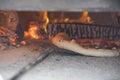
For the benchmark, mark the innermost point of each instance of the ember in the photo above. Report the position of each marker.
(23, 42)
(7, 37)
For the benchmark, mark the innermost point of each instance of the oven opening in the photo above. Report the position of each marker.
(41, 43)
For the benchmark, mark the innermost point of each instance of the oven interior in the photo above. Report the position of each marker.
(27, 53)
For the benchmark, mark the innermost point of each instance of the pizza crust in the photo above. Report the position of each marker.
(61, 40)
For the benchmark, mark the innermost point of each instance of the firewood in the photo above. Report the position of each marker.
(85, 31)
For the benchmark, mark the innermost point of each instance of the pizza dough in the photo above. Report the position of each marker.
(61, 40)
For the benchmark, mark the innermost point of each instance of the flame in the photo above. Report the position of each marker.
(66, 20)
(85, 18)
(45, 20)
(26, 34)
(32, 31)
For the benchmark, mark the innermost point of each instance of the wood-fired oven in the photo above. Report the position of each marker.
(59, 40)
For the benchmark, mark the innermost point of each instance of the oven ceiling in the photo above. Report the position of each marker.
(60, 5)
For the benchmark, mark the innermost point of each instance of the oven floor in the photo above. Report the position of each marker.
(57, 66)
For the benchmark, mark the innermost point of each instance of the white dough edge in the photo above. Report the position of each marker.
(73, 46)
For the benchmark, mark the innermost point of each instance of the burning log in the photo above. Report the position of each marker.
(89, 31)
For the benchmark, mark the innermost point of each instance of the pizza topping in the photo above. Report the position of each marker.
(87, 44)
(98, 44)
(104, 44)
(113, 46)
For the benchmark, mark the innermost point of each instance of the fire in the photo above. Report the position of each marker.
(66, 20)
(32, 31)
(85, 18)
(45, 19)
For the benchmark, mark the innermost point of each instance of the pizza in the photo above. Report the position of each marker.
(99, 43)
(89, 47)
